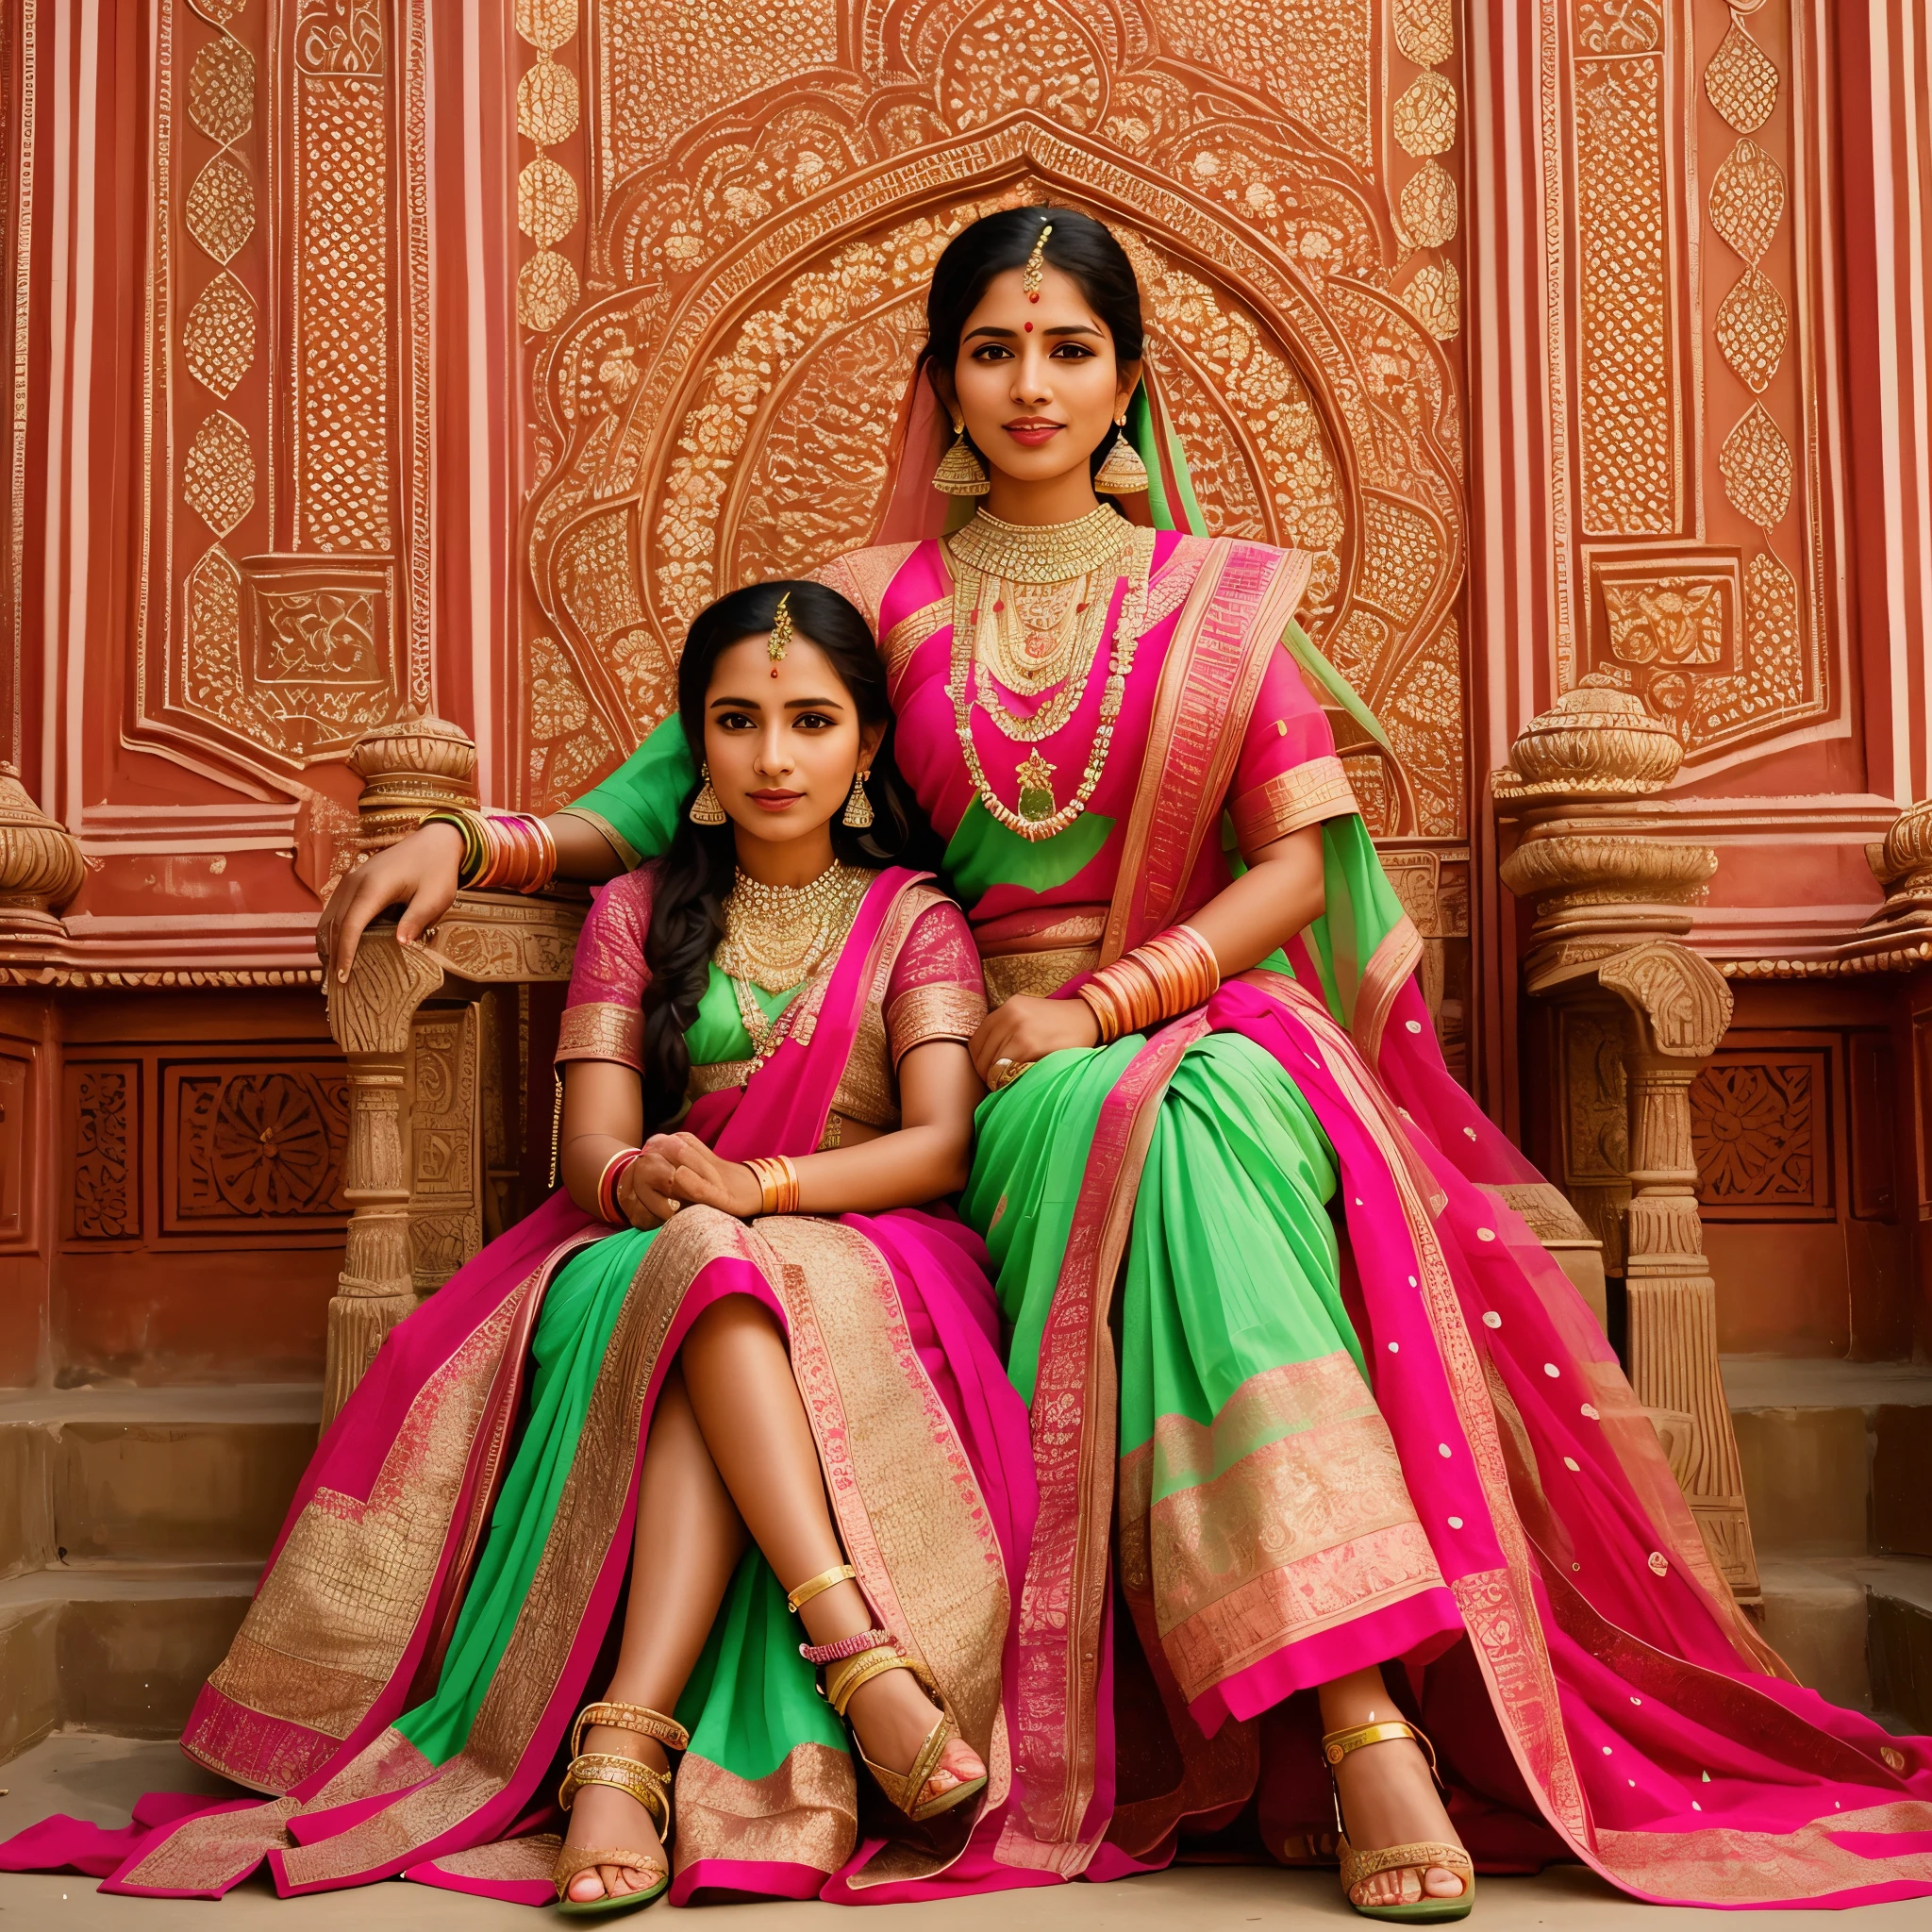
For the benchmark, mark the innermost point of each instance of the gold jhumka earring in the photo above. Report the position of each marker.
(781, 633)
(960, 471)
(704, 809)
(857, 813)
(1123, 472)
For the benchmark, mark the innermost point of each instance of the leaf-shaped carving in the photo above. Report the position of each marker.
(1425, 30)
(218, 478)
(218, 338)
(1756, 464)
(547, 103)
(1747, 199)
(1428, 205)
(1435, 299)
(1741, 81)
(547, 201)
(1752, 330)
(221, 90)
(1424, 120)
(220, 209)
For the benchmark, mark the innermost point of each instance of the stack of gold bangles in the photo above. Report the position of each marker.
(511, 851)
(778, 1180)
(1173, 973)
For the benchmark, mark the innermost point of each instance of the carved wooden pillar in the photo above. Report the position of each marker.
(1679, 1006)
(371, 1018)
(1612, 895)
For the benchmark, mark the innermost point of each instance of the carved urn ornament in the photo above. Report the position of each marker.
(40, 866)
(418, 765)
(1580, 783)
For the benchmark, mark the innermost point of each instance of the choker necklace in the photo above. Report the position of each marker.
(1042, 552)
(777, 936)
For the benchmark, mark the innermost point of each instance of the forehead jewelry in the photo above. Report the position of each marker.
(1030, 275)
(781, 633)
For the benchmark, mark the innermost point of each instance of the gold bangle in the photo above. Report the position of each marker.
(816, 1586)
(777, 1182)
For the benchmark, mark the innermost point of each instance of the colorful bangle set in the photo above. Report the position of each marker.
(778, 1180)
(609, 1212)
(1175, 971)
(502, 851)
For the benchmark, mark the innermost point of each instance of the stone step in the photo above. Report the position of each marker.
(1856, 1629)
(195, 1475)
(1832, 1454)
(118, 1647)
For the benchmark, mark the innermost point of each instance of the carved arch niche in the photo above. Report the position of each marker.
(719, 407)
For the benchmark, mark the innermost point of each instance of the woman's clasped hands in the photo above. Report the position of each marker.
(679, 1171)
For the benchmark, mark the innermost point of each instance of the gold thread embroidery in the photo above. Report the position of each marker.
(596, 1031)
(941, 1011)
(1303, 795)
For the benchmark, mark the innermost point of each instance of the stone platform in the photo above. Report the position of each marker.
(100, 1777)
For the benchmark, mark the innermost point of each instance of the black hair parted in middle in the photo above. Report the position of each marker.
(1080, 246)
(696, 873)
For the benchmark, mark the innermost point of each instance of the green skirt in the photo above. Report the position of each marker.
(752, 1697)
(1232, 1267)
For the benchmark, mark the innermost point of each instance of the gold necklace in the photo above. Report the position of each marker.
(777, 936)
(1040, 816)
(1040, 553)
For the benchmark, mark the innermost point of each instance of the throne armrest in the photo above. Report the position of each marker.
(428, 1093)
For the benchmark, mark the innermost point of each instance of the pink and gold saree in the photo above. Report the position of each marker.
(442, 1597)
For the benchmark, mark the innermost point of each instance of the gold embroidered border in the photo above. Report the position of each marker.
(864, 576)
(1035, 976)
(341, 1601)
(717, 1078)
(910, 632)
(625, 851)
(1303, 795)
(804, 1813)
(580, 1538)
(507, 1861)
(1292, 1602)
(943, 1010)
(597, 1031)
(1277, 1402)
(1307, 1498)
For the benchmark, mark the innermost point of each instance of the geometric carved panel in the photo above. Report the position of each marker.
(16, 1075)
(445, 1148)
(1761, 1124)
(254, 1144)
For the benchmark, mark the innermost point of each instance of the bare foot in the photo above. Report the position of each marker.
(1387, 1798)
(893, 1718)
(603, 1819)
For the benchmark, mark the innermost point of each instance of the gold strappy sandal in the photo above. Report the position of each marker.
(1356, 1866)
(650, 1787)
(853, 1662)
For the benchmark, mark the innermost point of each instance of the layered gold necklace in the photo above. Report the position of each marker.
(1029, 606)
(778, 935)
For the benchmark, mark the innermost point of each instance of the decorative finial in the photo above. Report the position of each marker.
(782, 632)
(1031, 275)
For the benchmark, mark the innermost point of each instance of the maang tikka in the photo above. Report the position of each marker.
(1035, 272)
(781, 630)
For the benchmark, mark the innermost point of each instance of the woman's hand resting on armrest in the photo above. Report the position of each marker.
(418, 874)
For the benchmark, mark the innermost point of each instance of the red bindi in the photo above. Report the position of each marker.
(1029, 328)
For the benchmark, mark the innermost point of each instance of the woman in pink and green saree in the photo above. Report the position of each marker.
(669, 1370)
(1332, 1461)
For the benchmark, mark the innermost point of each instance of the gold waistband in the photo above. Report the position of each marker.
(1035, 974)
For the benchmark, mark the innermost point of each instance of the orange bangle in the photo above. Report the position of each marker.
(519, 855)
(1173, 973)
(777, 1182)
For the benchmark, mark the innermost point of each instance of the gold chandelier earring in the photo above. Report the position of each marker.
(1123, 472)
(960, 471)
(857, 813)
(704, 809)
